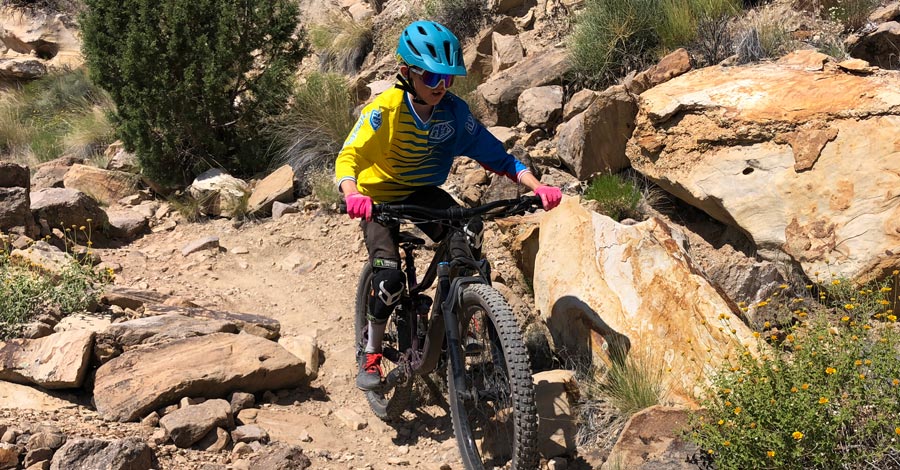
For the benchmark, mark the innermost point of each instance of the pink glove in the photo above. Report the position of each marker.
(359, 206)
(550, 196)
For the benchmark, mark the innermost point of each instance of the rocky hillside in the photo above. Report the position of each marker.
(226, 343)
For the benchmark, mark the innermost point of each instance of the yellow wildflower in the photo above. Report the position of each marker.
(797, 435)
(770, 453)
(823, 400)
(830, 370)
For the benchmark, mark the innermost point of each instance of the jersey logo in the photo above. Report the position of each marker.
(441, 132)
(375, 119)
(470, 125)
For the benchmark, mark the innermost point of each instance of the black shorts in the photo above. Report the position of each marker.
(382, 241)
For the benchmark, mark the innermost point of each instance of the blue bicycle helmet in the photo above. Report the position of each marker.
(432, 47)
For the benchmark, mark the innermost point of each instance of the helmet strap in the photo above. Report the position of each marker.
(407, 87)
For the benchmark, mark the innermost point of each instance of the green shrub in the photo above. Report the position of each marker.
(851, 14)
(618, 197)
(612, 37)
(342, 44)
(61, 113)
(26, 290)
(324, 188)
(824, 392)
(201, 97)
(766, 32)
(464, 17)
(312, 131)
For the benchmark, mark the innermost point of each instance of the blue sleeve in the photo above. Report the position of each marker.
(477, 143)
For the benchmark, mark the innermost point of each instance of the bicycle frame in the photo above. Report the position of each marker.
(422, 359)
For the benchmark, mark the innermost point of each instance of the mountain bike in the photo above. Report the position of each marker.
(469, 326)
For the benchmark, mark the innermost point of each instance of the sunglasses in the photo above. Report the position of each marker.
(431, 79)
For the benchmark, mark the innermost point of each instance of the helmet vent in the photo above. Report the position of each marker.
(413, 48)
(434, 53)
(447, 52)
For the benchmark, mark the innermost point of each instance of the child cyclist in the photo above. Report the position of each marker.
(401, 150)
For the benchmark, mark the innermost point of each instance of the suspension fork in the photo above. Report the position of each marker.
(450, 301)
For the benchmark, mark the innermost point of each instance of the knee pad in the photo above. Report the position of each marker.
(387, 288)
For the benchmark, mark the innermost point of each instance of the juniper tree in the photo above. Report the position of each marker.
(194, 81)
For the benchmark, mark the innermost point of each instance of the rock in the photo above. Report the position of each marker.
(208, 243)
(22, 68)
(278, 186)
(128, 297)
(216, 440)
(105, 186)
(29, 398)
(498, 96)
(749, 161)
(878, 47)
(257, 325)
(507, 51)
(91, 454)
(249, 433)
(126, 224)
(555, 393)
(281, 457)
(241, 400)
(13, 175)
(541, 106)
(221, 193)
(653, 438)
(306, 349)
(9, 456)
(141, 380)
(162, 329)
(189, 424)
(56, 361)
(595, 141)
(64, 208)
(351, 419)
(635, 291)
(15, 212)
(280, 209)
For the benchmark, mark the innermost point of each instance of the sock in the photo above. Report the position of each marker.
(376, 334)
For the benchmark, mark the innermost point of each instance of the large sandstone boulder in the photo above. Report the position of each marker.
(496, 99)
(50, 38)
(594, 141)
(56, 361)
(221, 194)
(804, 161)
(105, 186)
(91, 454)
(604, 288)
(64, 208)
(142, 380)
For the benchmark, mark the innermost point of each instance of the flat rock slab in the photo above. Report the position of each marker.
(23, 397)
(163, 329)
(247, 322)
(139, 381)
(88, 454)
(56, 361)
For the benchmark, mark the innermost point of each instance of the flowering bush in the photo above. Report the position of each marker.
(25, 289)
(825, 392)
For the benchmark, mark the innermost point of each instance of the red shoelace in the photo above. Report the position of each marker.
(373, 363)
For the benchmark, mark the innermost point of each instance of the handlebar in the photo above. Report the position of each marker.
(507, 207)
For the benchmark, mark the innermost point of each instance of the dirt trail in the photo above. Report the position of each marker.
(302, 271)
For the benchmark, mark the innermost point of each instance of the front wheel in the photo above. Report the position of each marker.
(389, 404)
(493, 410)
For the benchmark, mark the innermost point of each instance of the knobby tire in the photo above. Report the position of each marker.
(500, 375)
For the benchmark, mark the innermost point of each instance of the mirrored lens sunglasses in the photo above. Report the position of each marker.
(432, 80)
